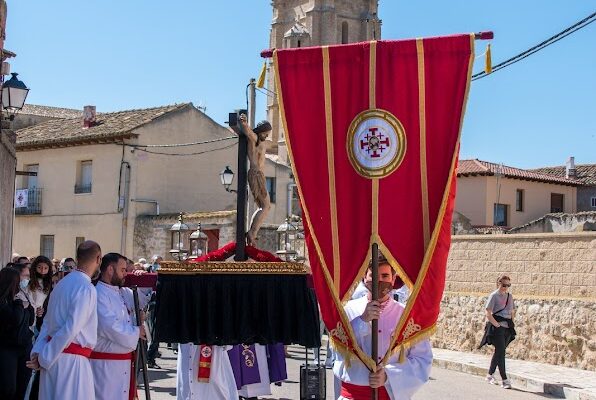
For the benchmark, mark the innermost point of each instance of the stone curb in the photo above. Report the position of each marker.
(559, 390)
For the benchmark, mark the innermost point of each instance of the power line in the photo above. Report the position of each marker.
(187, 154)
(138, 146)
(553, 39)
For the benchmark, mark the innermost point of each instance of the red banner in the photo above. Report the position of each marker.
(372, 130)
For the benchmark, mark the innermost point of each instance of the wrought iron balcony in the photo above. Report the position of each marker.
(82, 189)
(33, 203)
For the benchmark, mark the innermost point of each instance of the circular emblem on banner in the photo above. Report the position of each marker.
(376, 143)
(206, 351)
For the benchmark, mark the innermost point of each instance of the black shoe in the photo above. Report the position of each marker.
(152, 364)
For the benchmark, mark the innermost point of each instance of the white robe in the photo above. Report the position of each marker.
(116, 333)
(221, 386)
(262, 388)
(71, 318)
(403, 380)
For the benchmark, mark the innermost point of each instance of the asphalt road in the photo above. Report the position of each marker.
(443, 384)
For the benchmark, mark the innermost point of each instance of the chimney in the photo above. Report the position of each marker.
(570, 171)
(88, 116)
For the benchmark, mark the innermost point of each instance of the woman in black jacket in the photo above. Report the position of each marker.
(15, 337)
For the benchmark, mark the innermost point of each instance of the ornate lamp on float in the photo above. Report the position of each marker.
(198, 242)
(14, 93)
(177, 233)
(287, 236)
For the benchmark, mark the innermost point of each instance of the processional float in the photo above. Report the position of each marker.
(373, 135)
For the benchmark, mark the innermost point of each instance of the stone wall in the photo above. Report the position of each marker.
(584, 198)
(152, 235)
(562, 265)
(554, 284)
(7, 177)
(549, 330)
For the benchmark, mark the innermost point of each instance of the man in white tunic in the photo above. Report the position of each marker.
(69, 332)
(204, 372)
(117, 334)
(395, 381)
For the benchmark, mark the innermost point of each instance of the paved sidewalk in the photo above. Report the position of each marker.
(562, 382)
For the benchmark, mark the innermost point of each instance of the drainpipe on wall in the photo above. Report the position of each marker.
(123, 202)
(290, 192)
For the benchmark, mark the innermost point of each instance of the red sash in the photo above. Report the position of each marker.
(205, 363)
(76, 349)
(357, 392)
(132, 388)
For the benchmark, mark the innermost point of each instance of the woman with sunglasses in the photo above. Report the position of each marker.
(500, 311)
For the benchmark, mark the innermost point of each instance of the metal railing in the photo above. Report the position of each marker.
(33, 203)
(78, 189)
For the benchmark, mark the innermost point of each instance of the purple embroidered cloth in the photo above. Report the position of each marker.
(246, 367)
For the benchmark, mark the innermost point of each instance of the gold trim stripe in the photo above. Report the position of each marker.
(422, 116)
(435, 235)
(331, 168)
(334, 293)
(372, 75)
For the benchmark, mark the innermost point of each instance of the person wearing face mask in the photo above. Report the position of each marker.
(395, 380)
(69, 332)
(15, 335)
(117, 333)
(40, 283)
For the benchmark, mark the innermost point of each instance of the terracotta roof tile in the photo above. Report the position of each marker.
(52, 112)
(485, 168)
(586, 173)
(108, 127)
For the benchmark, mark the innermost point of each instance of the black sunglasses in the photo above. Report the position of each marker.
(506, 284)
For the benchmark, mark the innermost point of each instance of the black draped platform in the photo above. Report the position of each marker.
(242, 303)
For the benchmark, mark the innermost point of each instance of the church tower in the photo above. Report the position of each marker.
(303, 23)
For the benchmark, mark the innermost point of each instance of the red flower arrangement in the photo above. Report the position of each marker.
(228, 251)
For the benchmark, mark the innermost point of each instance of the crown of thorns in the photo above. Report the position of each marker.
(263, 126)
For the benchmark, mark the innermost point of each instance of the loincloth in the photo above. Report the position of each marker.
(258, 186)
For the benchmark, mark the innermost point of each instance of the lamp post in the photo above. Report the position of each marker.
(14, 93)
(227, 177)
(198, 242)
(177, 232)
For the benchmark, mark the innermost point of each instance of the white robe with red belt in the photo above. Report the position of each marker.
(71, 318)
(221, 385)
(116, 333)
(403, 380)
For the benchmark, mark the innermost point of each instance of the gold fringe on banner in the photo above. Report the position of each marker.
(261, 80)
(488, 66)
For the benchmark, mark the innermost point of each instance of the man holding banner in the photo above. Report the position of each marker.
(375, 164)
(397, 381)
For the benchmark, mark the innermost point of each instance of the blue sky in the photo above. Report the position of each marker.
(139, 53)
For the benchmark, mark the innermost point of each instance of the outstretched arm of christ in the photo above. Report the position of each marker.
(252, 137)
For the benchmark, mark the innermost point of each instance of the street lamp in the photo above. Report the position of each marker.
(227, 177)
(14, 93)
(198, 242)
(177, 232)
(287, 234)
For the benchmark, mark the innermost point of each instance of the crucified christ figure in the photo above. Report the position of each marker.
(257, 148)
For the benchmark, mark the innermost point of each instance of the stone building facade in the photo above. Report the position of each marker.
(303, 23)
(8, 161)
(554, 284)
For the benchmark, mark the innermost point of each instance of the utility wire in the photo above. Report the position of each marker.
(187, 154)
(553, 39)
(138, 146)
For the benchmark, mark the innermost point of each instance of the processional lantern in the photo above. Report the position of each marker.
(177, 233)
(287, 237)
(198, 242)
(14, 93)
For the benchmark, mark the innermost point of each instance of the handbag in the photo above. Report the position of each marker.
(489, 328)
